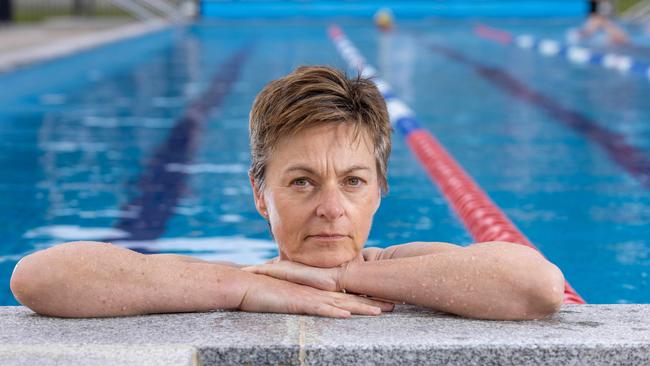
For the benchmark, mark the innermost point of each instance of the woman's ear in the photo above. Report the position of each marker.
(258, 196)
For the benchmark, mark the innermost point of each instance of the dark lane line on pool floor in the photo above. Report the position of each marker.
(159, 188)
(630, 158)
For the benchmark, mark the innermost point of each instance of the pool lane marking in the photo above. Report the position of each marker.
(632, 159)
(574, 54)
(482, 217)
(159, 188)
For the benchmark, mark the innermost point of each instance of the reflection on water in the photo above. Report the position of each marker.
(73, 233)
(236, 249)
(632, 252)
(233, 249)
(207, 168)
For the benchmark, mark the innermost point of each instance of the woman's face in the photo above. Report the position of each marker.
(320, 195)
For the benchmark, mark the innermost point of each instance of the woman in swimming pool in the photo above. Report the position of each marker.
(320, 144)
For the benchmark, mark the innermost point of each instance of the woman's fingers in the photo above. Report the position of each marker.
(331, 311)
(360, 305)
(336, 307)
(331, 304)
(272, 270)
(271, 295)
(358, 308)
(266, 294)
(278, 271)
(384, 306)
(259, 269)
(319, 278)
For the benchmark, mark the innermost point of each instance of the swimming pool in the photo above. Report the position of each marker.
(144, 143)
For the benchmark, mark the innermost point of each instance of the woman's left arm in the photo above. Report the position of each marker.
(412, 249)
(494, 280)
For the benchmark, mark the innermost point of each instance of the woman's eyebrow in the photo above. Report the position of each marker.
(309, 170)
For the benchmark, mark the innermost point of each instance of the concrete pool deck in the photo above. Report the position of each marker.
(577, 335)
(21, 45)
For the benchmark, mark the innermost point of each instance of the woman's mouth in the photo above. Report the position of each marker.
(327, 237)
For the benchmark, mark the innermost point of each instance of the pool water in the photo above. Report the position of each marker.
(144, 143)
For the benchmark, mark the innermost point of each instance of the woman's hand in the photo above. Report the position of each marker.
(328, 279)
(266, 294)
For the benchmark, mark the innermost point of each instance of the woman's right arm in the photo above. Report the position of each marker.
(92, 279)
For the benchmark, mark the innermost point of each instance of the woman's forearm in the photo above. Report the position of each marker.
(90, 279)
(489, 281)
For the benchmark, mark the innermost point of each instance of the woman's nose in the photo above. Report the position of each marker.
(330, 205)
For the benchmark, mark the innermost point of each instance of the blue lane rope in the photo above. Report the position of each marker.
(575, 54)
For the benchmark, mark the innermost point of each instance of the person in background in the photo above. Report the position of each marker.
(600, 12)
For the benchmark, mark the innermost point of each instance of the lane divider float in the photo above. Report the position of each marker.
(482, 217)
(629, 157)
(575, 54)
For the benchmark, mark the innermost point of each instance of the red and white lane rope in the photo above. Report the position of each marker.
(482, 217)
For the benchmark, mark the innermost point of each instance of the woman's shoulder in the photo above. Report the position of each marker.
(412, 249)
(371, 254)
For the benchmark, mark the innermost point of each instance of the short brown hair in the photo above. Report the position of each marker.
(312, 96)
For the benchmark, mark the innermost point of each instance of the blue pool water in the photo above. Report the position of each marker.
(144, 143)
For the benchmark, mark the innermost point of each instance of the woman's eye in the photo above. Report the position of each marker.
(300, 182)
(354, 181)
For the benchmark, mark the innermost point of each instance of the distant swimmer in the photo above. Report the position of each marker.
(384, 19)
(600, 12)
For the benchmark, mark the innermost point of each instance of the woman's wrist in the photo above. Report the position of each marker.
(238, 286)
(342, 274)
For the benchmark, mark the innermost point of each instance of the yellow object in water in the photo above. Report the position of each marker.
(384, 19)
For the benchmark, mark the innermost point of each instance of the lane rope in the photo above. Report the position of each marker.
(627, 156)
(482, 217)
(574, 54)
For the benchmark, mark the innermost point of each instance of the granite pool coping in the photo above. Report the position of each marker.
(577, 335)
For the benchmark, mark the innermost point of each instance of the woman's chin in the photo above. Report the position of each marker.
(325, 259)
